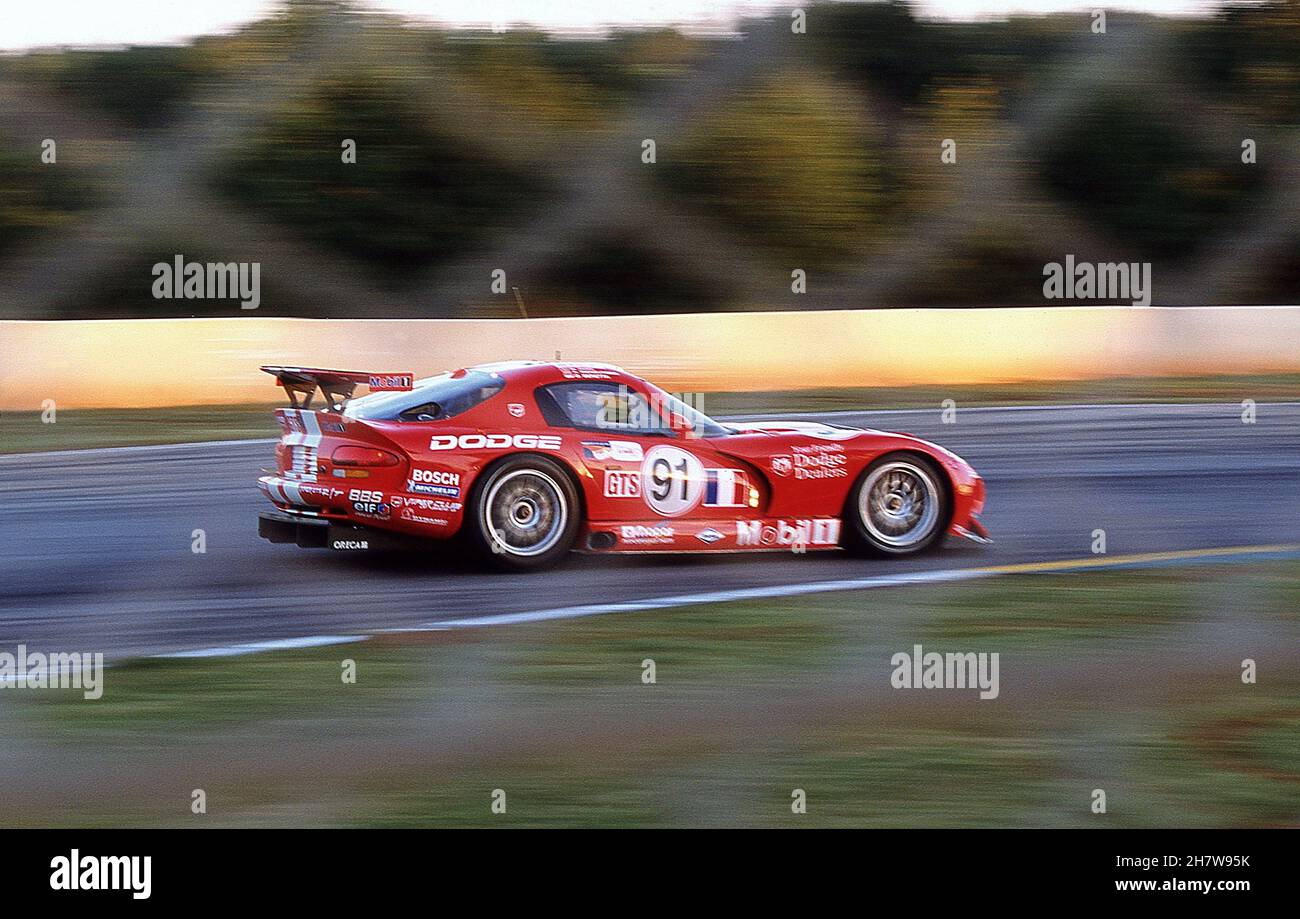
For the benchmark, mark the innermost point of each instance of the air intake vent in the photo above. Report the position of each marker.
(600, 541)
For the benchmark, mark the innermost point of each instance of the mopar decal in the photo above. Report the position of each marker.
(646, 534)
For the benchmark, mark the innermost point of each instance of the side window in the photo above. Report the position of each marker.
(428, 411)
(598, 407)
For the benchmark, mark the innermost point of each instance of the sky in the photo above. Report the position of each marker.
(40, 23)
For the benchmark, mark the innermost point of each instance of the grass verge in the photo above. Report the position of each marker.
(1128, 681)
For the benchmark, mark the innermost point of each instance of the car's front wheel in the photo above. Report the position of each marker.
(898, 506)
(525, 513)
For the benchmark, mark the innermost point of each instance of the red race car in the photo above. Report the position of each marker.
(529, 460)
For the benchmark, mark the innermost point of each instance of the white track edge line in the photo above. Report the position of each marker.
(775, 591)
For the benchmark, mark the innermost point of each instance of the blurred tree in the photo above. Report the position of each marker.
(145, 87)
(1249, 56)
(998, 268)
(830, 160)
(616, 275)
(416, 195)
(792, 165)
(553, 84)
(882, 44)
(1141, 175)
(884, 47)
(35, 198)
(968, 114)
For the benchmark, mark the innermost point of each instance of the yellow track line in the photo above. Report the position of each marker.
(1108, 561)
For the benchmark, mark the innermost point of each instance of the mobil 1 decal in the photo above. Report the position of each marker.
(672, 480)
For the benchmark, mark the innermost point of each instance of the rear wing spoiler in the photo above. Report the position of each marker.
(301, 383)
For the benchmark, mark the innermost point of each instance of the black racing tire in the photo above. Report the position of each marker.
(901, 504)
(523, 513)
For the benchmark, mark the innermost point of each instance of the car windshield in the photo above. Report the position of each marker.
(701, 424)
(431, 399)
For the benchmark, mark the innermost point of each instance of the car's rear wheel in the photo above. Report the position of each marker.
(900, 505)
(525, 513)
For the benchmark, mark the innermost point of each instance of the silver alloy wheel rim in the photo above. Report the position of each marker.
(899, 504)
(525, 513)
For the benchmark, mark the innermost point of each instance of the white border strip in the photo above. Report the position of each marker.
(253, 647)
(1224, 554)
(717, 596)
(139, 448)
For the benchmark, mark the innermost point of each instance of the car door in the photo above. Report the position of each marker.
(642, 464)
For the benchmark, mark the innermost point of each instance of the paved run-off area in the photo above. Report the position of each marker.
(97, 544)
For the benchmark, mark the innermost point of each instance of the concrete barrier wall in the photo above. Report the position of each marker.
(126, 363)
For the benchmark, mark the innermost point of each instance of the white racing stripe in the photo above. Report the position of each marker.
(303, 446)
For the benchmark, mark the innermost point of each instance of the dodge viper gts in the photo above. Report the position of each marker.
(529, 460)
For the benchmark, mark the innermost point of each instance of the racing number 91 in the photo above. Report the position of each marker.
(675, 480)
(662, 476)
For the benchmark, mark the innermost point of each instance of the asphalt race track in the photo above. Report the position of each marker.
(95, 553)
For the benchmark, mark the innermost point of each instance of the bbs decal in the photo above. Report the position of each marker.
(672, 480)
